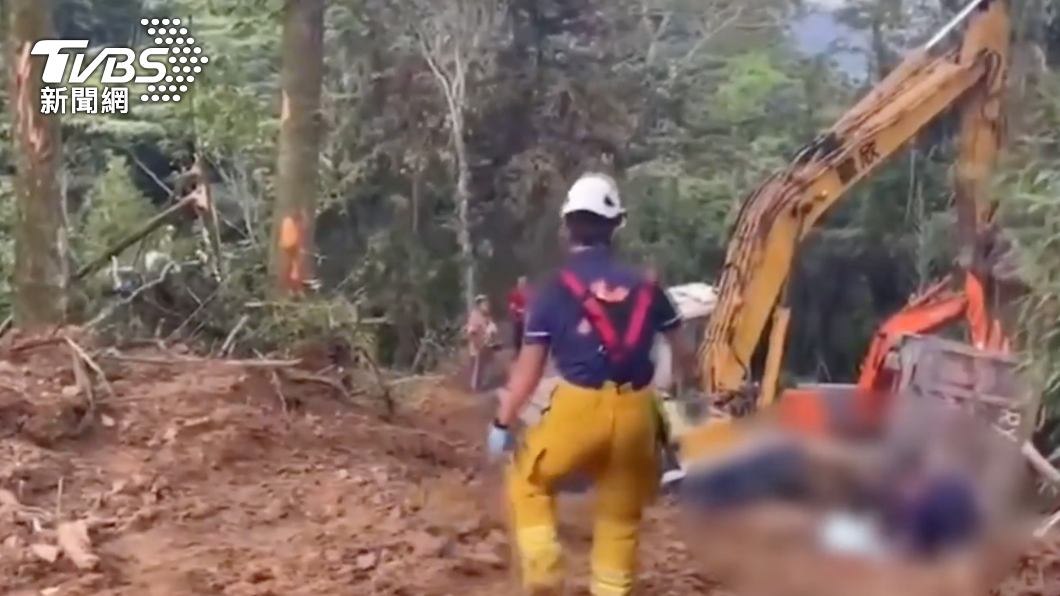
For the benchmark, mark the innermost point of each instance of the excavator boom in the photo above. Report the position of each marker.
(775, 219)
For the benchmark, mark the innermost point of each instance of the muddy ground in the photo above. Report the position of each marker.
(151, 473)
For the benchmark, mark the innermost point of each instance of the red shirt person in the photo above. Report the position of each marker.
(517, 301)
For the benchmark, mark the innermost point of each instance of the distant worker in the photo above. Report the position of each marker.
(480, 329)
(481, 333)
(517, 300)
(597, 319)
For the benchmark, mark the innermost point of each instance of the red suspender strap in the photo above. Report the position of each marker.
(640, 315)
(602, 324)
(593, 311)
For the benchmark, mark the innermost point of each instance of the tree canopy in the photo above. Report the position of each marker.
(449, 132)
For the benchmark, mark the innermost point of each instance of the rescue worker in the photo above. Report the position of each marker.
(597, 319)
(481, 333)
(480, 329)
(517, 300)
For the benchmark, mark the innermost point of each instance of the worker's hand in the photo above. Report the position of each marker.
(499, 440)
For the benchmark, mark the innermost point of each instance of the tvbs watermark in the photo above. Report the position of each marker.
(173, 62)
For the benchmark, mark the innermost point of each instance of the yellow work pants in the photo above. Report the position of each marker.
(610, 435)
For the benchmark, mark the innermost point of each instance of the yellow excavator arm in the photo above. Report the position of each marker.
(774, 220)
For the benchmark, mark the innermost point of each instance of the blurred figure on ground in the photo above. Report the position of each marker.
(597, 318)
(481, 334)
(517, 300)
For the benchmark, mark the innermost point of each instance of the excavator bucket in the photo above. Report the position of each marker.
(985, 383)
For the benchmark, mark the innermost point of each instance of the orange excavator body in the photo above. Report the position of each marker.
(862, 408)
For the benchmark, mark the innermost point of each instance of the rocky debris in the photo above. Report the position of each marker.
(75, 544)
(46, 552)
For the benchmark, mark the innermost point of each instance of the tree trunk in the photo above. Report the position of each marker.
(301, 79)
(463, 210)
(41, 274)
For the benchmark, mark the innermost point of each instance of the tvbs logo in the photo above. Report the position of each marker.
(174, 52)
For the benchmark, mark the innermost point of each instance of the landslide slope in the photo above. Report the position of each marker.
(177, 476)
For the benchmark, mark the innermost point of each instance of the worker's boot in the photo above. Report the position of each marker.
(539, 565)
(552, 586)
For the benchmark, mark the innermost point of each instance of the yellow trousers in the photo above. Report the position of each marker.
(610, 435)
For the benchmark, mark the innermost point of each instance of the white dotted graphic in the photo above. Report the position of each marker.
(184, 59)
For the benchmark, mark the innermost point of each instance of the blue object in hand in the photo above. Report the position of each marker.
(499, 440)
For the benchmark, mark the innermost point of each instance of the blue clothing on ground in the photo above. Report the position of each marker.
(556, 318)
(945, 513)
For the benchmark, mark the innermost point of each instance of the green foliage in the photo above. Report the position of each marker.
(1033, 209)
(680, 247)
(750, 81)
(281, 325)
(691, 106)
(8, 220)
(113, 208)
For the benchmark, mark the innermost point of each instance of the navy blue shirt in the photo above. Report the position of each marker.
(556, 319)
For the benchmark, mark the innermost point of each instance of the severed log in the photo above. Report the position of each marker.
(119, 247)
(139, 234)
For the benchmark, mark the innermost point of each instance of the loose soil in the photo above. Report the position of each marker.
(178, 477)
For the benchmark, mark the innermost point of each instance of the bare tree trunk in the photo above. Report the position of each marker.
(463, 210)
(301, 78)
(457, 38)
(41, 267)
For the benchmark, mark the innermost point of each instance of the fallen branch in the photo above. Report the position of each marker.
(73, 539)
(179, 360)
(137, 235)
(111, 309)
(278, 388)
(202, 306)
(226, 347)
(1047, 525)
(91, 364)
(384, 389)
(119, 247)
(297, 375)
(39, 342)
(1040, 464)
(9, 502)
(416, 379)
(84, 385)
(211, 228)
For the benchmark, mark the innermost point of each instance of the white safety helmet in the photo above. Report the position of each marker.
(594, 193)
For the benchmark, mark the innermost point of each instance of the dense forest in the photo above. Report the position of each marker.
(448, 133)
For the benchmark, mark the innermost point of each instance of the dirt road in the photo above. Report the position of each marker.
(205, 478)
